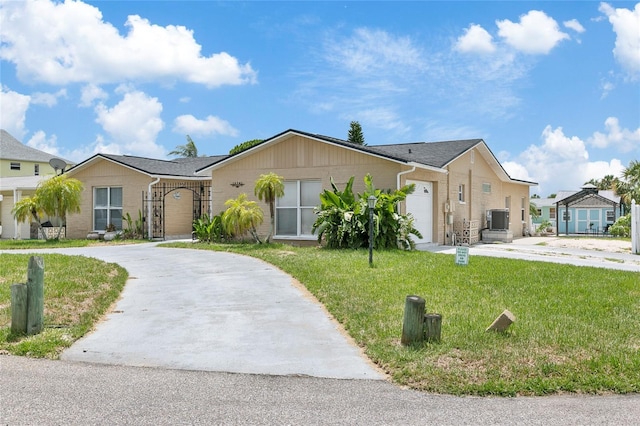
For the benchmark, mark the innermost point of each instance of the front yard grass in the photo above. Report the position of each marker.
(577, 328)
(78, 292)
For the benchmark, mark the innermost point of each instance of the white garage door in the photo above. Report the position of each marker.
(420, 205)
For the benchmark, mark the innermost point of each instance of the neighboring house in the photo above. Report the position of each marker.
(546, 211)
(170, 192)
(456, 182)
(22, 168)
(588, 211)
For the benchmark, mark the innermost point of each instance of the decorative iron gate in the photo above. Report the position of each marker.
(156, 204)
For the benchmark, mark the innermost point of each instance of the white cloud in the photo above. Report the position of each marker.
(13, 108)
(536, 33)
(48, 99)
(188, 124)
(624, 140)
(560, 162)
(61, 43)
(369, 50)
(133, 124)
(91, 93)
(625, 24)
(40, 141)
(574, 25)
(475, 39)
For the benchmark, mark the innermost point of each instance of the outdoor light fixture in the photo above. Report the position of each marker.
(237, 184)
(371, 202)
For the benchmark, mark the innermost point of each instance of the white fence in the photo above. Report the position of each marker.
(635, 227)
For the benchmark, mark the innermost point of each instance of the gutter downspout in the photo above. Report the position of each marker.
(150, 208)
(413, 169)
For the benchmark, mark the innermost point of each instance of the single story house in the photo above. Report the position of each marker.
(457, 182)
(170, 192)
(588, 211)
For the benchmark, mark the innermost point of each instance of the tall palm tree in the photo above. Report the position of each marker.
(628, 188)
(242, 216)
(187, 150)
(268, 188)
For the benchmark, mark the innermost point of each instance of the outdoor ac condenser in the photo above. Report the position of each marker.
(498, 219)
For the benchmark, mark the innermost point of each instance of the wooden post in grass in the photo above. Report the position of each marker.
(35, 295)
(412, 325)
(19, 309)
(432, 327)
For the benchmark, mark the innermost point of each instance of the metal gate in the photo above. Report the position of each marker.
(155, 203)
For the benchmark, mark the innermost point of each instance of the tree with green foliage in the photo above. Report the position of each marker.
(343, 219)
(355, 134)
(607, 182)
(54, 197)
(188, 150)
(244, 146)
(268, 188)
(242, 216)
(628, 187)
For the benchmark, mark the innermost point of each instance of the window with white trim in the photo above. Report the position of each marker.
(107, 208)
(461, 193)
(552, 213)
(610, 216)
(14, 166)
(36, 169)
(486, 188)
(295, 210)
(566, 215)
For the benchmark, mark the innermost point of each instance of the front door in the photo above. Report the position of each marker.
(420, 205)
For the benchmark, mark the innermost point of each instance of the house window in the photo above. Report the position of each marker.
(486, 188)
(36, 169)
(552, 213)
(507, 203)
(15, 166)
(566, 215)
(522, 209)
(295, 210)
(539, 213)
(610, 216)
(107, 208)
(461, 193)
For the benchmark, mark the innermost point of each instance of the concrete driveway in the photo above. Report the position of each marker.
(213, 311)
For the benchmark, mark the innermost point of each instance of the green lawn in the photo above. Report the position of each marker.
(78, 291)
(577, 328)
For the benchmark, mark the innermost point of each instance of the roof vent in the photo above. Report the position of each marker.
(409, 150)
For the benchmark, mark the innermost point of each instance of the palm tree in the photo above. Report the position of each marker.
(55, 197)
(628, 188)
(187, 150)
(58, 196)
(29, 208)
(268, 188)
(242, 216)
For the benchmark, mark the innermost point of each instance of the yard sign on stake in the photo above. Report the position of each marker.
(462, 255)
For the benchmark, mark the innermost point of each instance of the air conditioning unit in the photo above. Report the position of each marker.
(498, 219)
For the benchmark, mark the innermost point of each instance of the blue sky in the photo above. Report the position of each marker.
(552, 87)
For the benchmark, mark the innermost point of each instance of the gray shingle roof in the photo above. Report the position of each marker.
(435, 154)
(183, 167)
(12, 149)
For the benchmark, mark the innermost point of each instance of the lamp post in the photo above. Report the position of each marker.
(371, 202)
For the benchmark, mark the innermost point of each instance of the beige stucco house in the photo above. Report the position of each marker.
(169, 194)
(457, 182)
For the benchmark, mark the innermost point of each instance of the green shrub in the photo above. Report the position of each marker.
(210, 229)
(622, 227)
(343, 220)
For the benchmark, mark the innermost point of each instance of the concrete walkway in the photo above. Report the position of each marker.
(537, 249)
(214, 311)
